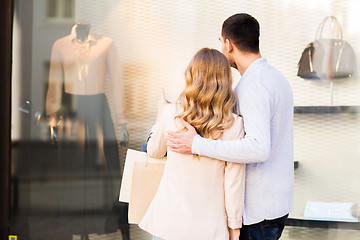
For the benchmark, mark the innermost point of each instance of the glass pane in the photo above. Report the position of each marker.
(51, 8)
(85, 86)
(68, 8)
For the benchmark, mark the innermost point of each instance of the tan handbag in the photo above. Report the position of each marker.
(141, 179)
(327, 58)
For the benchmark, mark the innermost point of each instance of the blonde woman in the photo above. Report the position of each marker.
(198, 198)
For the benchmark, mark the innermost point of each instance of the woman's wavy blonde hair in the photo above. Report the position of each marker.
(208, 100)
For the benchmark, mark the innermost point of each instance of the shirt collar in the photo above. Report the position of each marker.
(91, 36)
(253, 66)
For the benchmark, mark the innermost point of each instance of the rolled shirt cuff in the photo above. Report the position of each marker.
(234, 223)
(195, 148)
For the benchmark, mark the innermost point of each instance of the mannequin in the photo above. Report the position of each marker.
(82, 30)
(82, 64)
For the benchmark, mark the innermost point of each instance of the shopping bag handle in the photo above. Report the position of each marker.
(335, 23)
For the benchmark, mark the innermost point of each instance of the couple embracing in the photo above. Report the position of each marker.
(229, 170)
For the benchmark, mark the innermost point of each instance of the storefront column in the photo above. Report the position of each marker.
(6, 13)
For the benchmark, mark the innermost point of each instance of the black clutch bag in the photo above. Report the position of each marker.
(327, 58)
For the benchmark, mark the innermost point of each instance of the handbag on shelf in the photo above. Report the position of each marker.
(141, 179)
(327, 58)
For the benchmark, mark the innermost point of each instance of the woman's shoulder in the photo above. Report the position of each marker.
(169, 113)
(236, 130)
(169, 110)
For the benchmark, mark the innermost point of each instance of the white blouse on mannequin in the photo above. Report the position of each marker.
(82, 67)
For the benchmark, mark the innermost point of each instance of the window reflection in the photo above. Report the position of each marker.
(51, 8)
(68, 8)
(71, 183)
(60, 9)
(82, 63)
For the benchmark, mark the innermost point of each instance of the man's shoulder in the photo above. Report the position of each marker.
(268, 76)
(265, 83)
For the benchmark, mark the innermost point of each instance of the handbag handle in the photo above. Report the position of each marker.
(322, 24)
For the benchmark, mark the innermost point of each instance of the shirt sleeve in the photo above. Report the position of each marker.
(156, 146)
(116, 83)
(234, 186)
(54, 93)
(255, 146)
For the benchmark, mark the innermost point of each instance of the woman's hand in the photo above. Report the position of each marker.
(234, 234)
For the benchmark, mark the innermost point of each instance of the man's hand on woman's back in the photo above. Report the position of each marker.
(181, 142)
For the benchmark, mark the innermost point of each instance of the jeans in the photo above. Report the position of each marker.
(265, 230)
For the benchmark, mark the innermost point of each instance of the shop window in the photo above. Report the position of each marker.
(60, 9)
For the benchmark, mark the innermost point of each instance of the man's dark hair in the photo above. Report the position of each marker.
(243, 30)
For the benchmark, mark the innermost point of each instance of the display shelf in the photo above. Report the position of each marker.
(326, 109)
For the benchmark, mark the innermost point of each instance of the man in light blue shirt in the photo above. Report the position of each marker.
(265, 101)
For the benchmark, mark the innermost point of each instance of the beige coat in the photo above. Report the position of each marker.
(198, 198)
